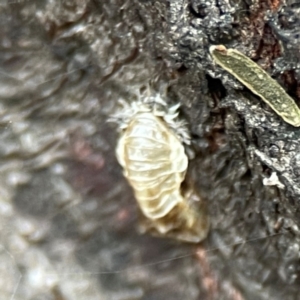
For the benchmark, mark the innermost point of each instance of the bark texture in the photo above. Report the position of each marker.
(68, 218)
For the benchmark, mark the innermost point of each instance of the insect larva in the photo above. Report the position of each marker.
(154, 162)
(258, 81)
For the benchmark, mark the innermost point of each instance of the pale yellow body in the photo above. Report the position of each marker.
(155, 164)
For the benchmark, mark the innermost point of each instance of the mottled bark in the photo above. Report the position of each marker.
(69, 222)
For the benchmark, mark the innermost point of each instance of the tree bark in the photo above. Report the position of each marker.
(68, 217)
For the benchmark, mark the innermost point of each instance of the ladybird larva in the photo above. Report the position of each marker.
(155, 163)
(258, 81)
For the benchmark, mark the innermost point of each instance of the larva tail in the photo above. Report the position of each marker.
(187, 221)
(194, 218)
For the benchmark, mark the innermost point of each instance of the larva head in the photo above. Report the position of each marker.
(156, 105)
(217, 50)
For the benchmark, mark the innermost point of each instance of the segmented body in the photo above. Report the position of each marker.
(258, 81)
(154, 161)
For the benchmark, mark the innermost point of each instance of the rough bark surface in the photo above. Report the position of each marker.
(68, 219)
